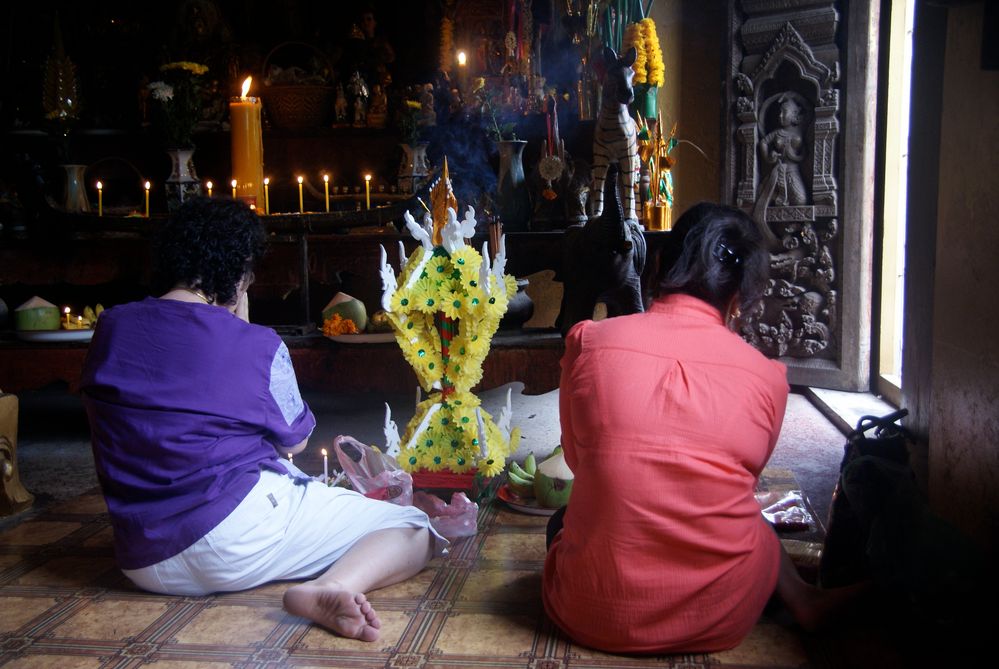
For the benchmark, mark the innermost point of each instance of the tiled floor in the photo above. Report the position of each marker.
(63, 603)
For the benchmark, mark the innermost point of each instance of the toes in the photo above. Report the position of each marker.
(368, 634)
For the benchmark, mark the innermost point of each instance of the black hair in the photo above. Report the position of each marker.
(716, 252)
(209, 244)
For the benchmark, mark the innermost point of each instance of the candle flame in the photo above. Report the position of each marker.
(326, 178)
(462, 58)
(66, 311)
(246, 86)
(367, 177)
(267, 181)
(147, 184)
(100, 185)
(301, 179)
(209, 185)
(324, 452)
(233, 183)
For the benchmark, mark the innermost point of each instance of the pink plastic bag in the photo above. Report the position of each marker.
(372, 473)
(458, 519)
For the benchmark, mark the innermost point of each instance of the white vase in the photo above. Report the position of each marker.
(183, 183)
(75, 194)
(413, 169)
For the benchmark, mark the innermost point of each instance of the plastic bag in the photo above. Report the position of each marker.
(785, 510)
(454, 520)
(372, 473)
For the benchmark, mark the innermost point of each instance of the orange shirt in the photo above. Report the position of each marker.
(668, 418)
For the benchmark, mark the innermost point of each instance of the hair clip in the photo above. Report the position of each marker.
(725, 255)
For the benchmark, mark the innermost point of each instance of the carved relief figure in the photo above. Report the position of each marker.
(783, 149)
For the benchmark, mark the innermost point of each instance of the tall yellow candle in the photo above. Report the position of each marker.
(208, 185)
(147, 198)
(267, 196)
(367, 190)
(326, 188)
(301, 207)
(247, 146)
(233, 184)
(100, 199)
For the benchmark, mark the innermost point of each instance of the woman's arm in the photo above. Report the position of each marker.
(292, 450)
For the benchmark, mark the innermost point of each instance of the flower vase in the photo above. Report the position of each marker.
(182, 184)
(647, 101)
(511, 191)
(75, 194)
(413, 169)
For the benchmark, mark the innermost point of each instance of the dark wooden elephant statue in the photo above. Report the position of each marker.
(602, 261)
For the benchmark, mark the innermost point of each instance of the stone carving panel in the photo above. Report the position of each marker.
(785, 132)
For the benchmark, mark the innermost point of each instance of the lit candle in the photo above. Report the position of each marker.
(462, 58)
(247, 145)
(208, 185)
(267, 196)
(100, 199)
(66, 311)
(367, 190)
(301, 207)
(326, 188)
(147, 198)
(326, 468)
(233, 184)
(291, 458)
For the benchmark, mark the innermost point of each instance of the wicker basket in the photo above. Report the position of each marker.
(297, 107)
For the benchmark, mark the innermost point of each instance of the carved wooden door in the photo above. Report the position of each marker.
(799, 156)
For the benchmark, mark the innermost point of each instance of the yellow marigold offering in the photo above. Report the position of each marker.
(337, 325)
(444, 307)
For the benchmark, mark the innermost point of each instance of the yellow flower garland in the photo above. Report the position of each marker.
(649, 67)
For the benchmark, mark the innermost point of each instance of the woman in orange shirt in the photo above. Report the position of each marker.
(668, 418)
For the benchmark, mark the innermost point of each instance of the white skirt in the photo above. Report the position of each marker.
(285, 529)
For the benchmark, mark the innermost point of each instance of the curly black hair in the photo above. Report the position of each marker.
(718, 253)
(208, 244)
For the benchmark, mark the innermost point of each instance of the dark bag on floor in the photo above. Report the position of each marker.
(873, 467)
(881, 529)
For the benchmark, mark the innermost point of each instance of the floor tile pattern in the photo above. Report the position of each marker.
(63, 603)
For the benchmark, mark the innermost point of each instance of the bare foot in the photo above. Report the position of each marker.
(345, 613)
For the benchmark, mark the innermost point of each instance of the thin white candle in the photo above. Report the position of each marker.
(301, 206)
(100, 199)
(326, 188)
(233, 183)
(326, 467)
(367, 190)
(147, 184)
(267, 195)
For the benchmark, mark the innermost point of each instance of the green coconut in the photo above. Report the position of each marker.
(553, 482)
(348, 307)
(37, 314)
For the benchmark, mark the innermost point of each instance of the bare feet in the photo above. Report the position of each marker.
(345, 613)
